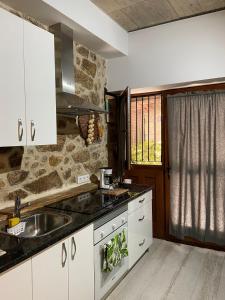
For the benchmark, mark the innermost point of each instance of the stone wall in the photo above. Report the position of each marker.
(30, 171)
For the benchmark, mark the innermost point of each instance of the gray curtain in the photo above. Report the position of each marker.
(197, 161)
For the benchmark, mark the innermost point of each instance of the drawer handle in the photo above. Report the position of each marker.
(142, 200)
(64, 253)
(73, 248)
(142, 243)
(20, 130)
(141, 219)
(32, 130)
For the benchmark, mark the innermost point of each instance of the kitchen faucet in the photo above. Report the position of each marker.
(19, 206)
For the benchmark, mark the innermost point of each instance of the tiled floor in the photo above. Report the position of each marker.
(173, 271)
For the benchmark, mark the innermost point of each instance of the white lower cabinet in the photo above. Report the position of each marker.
(65, 271)
(50, 273)
(81, 265)
(139, 230)
(17, 283)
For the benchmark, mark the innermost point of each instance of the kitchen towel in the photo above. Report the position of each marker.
(114, 251)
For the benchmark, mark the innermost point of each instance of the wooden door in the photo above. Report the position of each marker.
(151, 172)
(12, 96)
(148, 174)
(40, 88)
(50, 273)
(118, 122)
(81, 265)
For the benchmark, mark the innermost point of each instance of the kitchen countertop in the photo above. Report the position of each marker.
(29, 247)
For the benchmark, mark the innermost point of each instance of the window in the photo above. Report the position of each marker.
(146, 130)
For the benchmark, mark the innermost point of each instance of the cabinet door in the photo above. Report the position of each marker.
(139, 232)
(17, 283)
(146, 225)
(50, 273)
(40, 88)
(12, 97)
(81, 265)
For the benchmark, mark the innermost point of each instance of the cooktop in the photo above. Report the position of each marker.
(90, 203)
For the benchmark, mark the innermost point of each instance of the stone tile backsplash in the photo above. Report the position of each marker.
(30, 171)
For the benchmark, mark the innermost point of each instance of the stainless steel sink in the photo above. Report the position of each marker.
(43, 223)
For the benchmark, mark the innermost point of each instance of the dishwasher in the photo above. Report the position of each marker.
(104, 230)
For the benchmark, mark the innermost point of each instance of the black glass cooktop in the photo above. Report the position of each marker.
(89, 203)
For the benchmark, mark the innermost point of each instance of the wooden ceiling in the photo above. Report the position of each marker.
(137, 14)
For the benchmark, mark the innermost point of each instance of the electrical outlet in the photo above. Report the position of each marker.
(83, 178)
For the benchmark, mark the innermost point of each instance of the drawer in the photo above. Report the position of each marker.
(139, 232)
(109, 227)
(139, 202)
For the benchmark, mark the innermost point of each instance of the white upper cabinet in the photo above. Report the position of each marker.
(27, 83)
(39, 59)
(12, 100)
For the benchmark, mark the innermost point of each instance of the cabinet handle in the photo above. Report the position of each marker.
(32, 130)
(142, 243)
(64, 252)
(141, 219)
(73, 248)
(142, 200)
(20, 130)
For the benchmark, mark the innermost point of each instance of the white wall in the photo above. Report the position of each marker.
(183, 51)
(92, 27)
(90, 17)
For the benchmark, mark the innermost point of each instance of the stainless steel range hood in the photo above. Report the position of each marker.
(68, 103)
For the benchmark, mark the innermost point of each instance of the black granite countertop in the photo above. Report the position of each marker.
(22, 249)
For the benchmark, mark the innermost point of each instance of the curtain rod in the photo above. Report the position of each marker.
(196, 93)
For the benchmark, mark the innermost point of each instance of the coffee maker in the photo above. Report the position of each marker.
(106, 179)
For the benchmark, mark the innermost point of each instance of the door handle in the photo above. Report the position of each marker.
(141, 219)
(168, 169)
(20, 130)
(64, 255)
(142, 200)
(73, 248)
(142, 243)
(32, 130)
